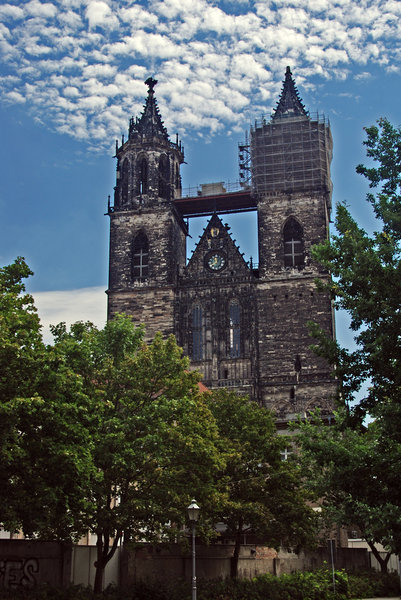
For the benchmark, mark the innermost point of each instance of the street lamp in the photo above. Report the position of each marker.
(193, 515)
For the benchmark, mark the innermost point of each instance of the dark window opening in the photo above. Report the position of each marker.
(124, 182)
(235, 330)
(142, 176)
(197, 337)
(140, 257)
(293, 245)
(177, 177)
(164, 177)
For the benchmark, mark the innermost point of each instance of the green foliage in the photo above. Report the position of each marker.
(315, 585)
(366, 281)
(153, 437)
(352, 473)
(263, 493)
(21, 344)
(359, 467)
(371, 584)
(44, 453)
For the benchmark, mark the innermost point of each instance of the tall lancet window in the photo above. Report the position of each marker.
(197, 333)
(293, 244)
(235, 330)
(142, 176)
(140, 257)
(164, 177)
(124, 181)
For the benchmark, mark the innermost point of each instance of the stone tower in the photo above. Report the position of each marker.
(147, 234)
(244, 326)
(290, 158)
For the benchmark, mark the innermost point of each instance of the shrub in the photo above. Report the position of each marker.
(315, 585)
(368, 584)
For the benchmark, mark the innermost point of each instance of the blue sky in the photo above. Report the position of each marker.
(72, 74)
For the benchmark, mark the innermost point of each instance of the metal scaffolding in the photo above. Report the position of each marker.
(290, 154)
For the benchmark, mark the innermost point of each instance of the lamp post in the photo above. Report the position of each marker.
(193, 515)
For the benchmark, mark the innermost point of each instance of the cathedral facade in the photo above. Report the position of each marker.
(243, 325)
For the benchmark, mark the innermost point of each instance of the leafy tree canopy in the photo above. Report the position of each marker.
(44, 447)
(264, 494)
(366, 282)
(154, 439)
(355, 474)
(354, 468)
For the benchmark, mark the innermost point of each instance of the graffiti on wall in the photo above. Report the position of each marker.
(15, 574)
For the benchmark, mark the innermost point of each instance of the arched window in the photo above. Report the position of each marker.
(177, 177)
(142, 176)
(293, 245)
(235, 330)
(124, 181)
(164, 177)
(197, 333)
(140, 256)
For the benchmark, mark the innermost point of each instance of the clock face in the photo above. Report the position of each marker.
(216, 261)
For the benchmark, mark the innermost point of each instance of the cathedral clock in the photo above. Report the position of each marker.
(215, 261)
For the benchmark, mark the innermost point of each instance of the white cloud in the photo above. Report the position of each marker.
(9, 10)
(74, 61)
(39, 9)
(99, 14)
(85, 304)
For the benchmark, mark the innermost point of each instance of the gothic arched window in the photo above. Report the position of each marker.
(142, 176)
(197, 333)
(235, 330)
(177, 177)
(293, 244)
(140, 256)
(124, 181)
(164, 177)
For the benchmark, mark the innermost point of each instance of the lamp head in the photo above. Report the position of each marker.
(193, 511)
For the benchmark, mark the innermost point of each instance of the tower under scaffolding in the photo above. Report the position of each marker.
(291, 152)
(244, 163)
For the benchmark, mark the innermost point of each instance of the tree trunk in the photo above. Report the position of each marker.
(104, 554)
(99, 564)
(383, 562)
(237, 548)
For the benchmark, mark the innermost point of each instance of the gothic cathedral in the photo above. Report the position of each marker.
(243, 325)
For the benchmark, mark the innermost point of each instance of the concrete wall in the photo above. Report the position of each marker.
(26, 564)
(83, 567)
(152, 564)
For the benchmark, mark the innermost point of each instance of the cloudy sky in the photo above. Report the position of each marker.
(72, 74)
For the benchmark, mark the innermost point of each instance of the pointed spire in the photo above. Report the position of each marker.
(149, 124)
(290, 104)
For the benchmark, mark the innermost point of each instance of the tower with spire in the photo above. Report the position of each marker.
(243, 325)
(291, 156)
(147, 234)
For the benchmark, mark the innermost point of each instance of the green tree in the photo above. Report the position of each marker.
(20, 345)
(154, 439)
(359, 465)
(44, 453)
(355, 474)
(366, 283)
(263, 493)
